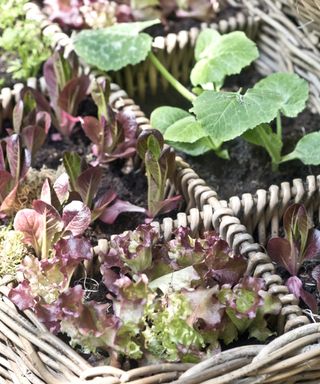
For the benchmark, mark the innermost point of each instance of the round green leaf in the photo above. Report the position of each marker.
(306, 150)
(111, 51)
(293, 90)
(226, 115)
(163, 117)
(185, 130)
(221, 56)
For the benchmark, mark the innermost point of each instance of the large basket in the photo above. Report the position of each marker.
(31, 355)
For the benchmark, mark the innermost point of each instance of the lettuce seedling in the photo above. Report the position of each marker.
(160, 167)
(85, 184)
(14, 164)
(113, 134)
(66, 89)
(32, 125)
(301, 242)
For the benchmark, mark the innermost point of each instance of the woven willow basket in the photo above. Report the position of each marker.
(29, 354)
(308, 11)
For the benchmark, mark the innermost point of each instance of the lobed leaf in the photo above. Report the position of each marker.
(221, 55)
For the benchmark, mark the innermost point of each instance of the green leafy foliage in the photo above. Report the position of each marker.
(22, 45)
(219, 56)
(218, 116)
(115, 47)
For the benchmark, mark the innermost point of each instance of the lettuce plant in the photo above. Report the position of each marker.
(162, 303)
(113, 134)
(160, 167)
(14, 165)
(22, 45)
(66, 90)
(216, 116)
(85, 183)
(301, 242)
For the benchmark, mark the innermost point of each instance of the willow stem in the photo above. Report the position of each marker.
(175, 83)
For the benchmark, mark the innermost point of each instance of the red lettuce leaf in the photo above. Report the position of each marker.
(76, 217)
(295, 286)
(29, 222)
(111, 213)
(87, 184)
(22, 296)
(283, 254)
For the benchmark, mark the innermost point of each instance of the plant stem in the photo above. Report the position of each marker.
(175, 83)
(279, 126)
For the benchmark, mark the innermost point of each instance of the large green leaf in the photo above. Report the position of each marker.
(115, 47)
(293, 90)
(227, 115)
(221, 55)
(306, 150)
(186, 130)
(163, 117)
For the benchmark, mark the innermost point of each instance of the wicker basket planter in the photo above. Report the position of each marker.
(30, 354)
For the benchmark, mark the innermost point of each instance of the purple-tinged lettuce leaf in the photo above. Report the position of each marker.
(102, 203)
(72, 251)
(113, 136)
(110, 214)
(61, 187)
(22, 296)
(92, 128)
(283, 254)
(88, 324)
(18, 160)
(316, 275)
(51, 225)
(312, 250)
(6, 180)
(49, 196)
(134, 248)
(33, 137)
(76, 217)
(295, 286)
(29, 222)
(87, 184)
(73, 93)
